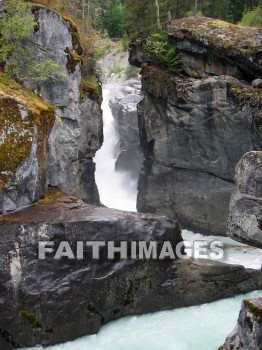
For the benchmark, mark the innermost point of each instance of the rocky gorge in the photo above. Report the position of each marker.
(48, 193)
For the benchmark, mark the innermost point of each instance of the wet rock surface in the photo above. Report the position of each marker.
(248, 332)
(245, 217)
(52, 301)
(123, 105)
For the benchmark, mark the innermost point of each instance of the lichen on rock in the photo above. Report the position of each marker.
(222, 48)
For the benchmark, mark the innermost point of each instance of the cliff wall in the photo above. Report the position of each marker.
(74, 131)
(196, 124)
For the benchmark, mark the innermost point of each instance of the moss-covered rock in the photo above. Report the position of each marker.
(211, 46)
(25, 124)
(248, 332)
(77, 133)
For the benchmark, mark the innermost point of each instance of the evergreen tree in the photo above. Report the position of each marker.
(115, 18)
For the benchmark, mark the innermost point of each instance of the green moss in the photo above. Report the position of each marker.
(158, 81)
(91, 87)
(243, 94)
(256, 311)
(31, 318)
(20, 112)
(51, 196)
(73, 59)
(226, 38)
(10, 88)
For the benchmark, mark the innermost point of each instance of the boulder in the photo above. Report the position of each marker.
(248, 332)
(245, 216)
(49, 301)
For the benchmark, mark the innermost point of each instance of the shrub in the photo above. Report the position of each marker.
(160, 51)
(124, 42)
(252, 17)
(115, 70)
(131, 71)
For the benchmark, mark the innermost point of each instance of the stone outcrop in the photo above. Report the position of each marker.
(25, 125)
(214, 47)
(51, 301)
(124, 110)
(77, 129)
(194, 128)
(245, 216)
(77, 132)
(248, 332)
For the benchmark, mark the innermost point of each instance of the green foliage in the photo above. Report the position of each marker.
(124, 42)
(17, 52)
(252, 18)
(92, 86)
(236, 8)
(115, 18)
(141, 16)
(103, 49)
(116, 70)
(160, 51)
(131, 72)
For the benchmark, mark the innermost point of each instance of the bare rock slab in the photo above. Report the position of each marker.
(52, 301)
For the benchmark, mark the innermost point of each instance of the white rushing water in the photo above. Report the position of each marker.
(202, 327)
(234, 252)
(116, 189)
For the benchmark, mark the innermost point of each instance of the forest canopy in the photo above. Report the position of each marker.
(118, 17)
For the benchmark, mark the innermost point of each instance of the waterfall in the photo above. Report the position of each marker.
(116, 189)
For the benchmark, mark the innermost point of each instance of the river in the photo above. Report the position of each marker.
(202, 327)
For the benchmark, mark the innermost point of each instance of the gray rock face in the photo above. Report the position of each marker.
(248, 332)
(245, 218)
(257, 83)
(77, 133)
(124, 110)
(50, 301)
(192, 136)
(55, 153)
(25, 125)
(197, 199)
